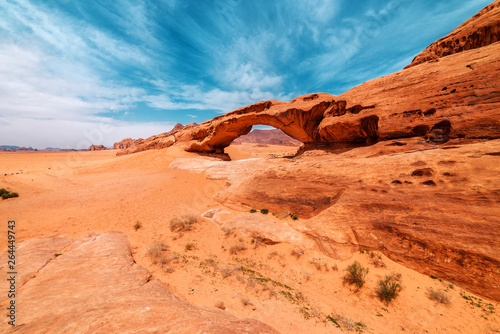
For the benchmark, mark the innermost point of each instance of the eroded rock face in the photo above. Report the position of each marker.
(95, 286)
(125, 143)
(480, 30)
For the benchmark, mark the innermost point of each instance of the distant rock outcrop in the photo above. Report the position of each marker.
(100, 289)
(125, 143)
(481, 30)
(269, 137)
(97, 148)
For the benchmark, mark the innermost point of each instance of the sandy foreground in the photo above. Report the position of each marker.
(294, 290)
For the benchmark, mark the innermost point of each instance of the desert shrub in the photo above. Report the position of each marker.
(253, 211)
(388, 288)
(137, 225)
(184, 223)
(300, 297)
(362, 249)
(356, 274)
(438, 296)
(264, 211)
(246, 301)
(251, 283)
(228, 271)
(220, 304)
(227, 231)
(316, 263)
(156, 251)
(167, 269)
(189, 247)
(315, 313)
(294, 217)
(237, 248)
(272, 254)
(5, 194)
(346, 323)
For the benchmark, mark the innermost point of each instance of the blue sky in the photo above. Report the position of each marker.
(79, 72)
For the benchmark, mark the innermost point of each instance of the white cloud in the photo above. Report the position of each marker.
(42, 133)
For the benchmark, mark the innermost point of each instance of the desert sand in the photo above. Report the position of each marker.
(288, 283)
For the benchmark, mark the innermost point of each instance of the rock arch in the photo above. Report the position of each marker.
(311, 119)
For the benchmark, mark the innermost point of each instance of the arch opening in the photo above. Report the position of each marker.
(262, 141)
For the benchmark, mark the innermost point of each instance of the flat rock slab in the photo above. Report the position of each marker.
(96, 287)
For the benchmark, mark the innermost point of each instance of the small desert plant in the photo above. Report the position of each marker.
(5, 194)
(294, 217)
(189, 247)
(246, 301)
(137, 225)
(156, 251)
(227, 231)
(220, 304)
(315, 313)
(389, 288)
(362, 249)
(272, 254)
(335, 267)
(264, 211)
(168, 269)
(253, 211)
(315, 263)
(356, 274)
(251, 283)
(300, 297)
(346, 323)
(438, 296)
(227, 271)
(237, 248)
(184, 223)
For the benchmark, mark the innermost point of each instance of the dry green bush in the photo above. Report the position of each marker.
(389, 288)
(228, 271)
(167, 269)
(156, 251)
(246, 301)
(237, 248)
(137, 225)
(438, 296)
(356, 274)
(183, 223)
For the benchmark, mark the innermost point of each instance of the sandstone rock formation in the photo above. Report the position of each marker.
(125, 143)
(480, 30)
(95, 286)
(97, 147)
(432, 208)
